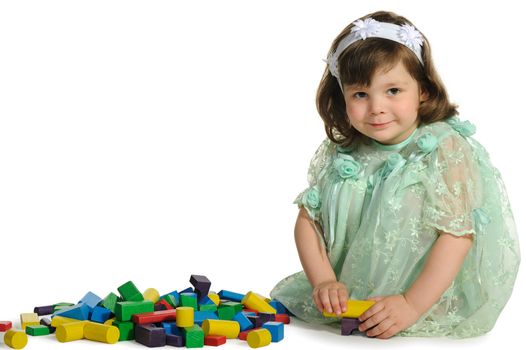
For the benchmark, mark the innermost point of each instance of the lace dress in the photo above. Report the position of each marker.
(378, 209)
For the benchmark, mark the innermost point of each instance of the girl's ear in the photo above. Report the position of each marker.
(424, 96)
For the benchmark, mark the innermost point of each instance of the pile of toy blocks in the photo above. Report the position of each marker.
(191, 318)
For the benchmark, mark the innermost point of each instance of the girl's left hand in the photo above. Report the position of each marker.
(388, 316)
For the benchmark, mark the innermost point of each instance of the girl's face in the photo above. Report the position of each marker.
(387, 110)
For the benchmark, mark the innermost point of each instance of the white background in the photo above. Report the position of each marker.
(152, 140)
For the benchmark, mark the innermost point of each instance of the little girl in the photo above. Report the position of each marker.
(404, 207)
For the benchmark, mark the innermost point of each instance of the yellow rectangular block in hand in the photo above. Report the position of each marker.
(354, 309)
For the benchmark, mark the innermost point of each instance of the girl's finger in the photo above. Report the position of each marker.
(344, 296)
(335, 301)
(326, 302)
(377, 307)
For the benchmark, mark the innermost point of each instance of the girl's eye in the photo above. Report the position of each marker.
(359, 95)
(393, 91)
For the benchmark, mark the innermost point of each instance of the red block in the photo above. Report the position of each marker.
(215, 340)
(250, 310)
(5, 326)
(154, 317)
(165, 303)
(283, 318)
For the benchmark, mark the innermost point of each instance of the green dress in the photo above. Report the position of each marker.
(378, 209)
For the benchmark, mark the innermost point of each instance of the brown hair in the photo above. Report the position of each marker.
(357, 65)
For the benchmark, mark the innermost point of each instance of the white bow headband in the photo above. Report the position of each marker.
(370, 28)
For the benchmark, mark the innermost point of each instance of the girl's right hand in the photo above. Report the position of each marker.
(331, 296)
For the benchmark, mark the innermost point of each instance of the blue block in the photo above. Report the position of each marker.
(187, 290)
(225, 294)
(249, 313)
(280, 308)
(244, 322)
(171, 328)
(206, 301)
(200, 316)
(174, 294)
(91, 300)
(100, 314)
(276, 329)
(80, 311)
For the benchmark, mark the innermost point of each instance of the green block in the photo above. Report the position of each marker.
(236, 305)
(194, 337)
(170, 299)
(226, 312)
(126, 329)
(37, 330)
(188, 300)
(109, 302)
(60, 306)
(124, 310)
(208, 307)
(129, 292)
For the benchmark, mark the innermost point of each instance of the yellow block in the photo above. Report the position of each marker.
(229, 329)
(70, 331)
(259, 337)
(110, 322)
(185, 316)
(101, 332)
(58, 320)
(354, 308)
(15, 339)
(214, 297)
(151, 294)
(255, 302)
(29, 319)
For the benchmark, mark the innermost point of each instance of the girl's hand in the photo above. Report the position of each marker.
(388, 316)
(331, 296)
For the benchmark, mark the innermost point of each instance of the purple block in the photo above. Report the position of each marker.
(150, 336)
(349, 325)
(175, 340)
(257, 322)
(267, 317)
(201, 285)
(44, 310)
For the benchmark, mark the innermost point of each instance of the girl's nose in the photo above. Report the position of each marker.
(376, 105)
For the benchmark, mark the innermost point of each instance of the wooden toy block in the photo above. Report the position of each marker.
(109, 321)
(37, 330)
(175, 340)
(151, 294)
(208, 307)
(257, 322)
(206, 301)
(174, 298)
(91, 299)
(187, 290)
(194, 336)
(276, 329)
(229, 329)
(201, 285)
(243, 335)
(150, 336)
(67, 332)
(354, 309)
(44, 310)
(79, 312)
(109, 302)
(166, 304)
(244, 322)
(285, 319)
(215, 340)
(253, 301)
(280, 308)
(214, 297)
(126, 330)
(267, 317)
(225, 294)
(158, 307)
(185, 316)
(255, 312)
(170, 300)
(101, 333)
(259, 337)
(129, 292)
(349, 325)
(124, 310)
(15, 339)
(237, 306)
(58, 320)
(27, 319)
(60, 306)
(5, 326)
(189, 299)
(226, 312)
(155, 317)
(201, 316)
(44, 321)
(100, 314)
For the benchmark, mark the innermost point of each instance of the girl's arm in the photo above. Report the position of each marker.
(327, 293)
(394, 313)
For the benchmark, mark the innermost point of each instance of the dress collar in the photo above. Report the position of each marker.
(396, 146)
